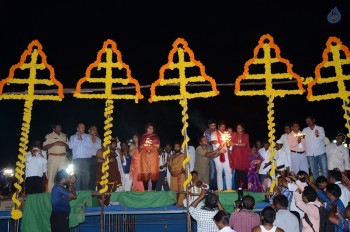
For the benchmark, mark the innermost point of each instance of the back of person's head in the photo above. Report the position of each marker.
(336, 174)
(211, 200)
(268, 214)
(310, 194)
(302, 175)
(222, 216)
(61, 174)
(321, 179)
(248, 202)
(334, 190)
(280, 200)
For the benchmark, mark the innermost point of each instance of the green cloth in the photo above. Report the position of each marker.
(144, 199)
(228, 199)
(37, 211)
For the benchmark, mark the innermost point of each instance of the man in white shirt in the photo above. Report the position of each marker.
(81, 145)
(36, 168)
(315, 147)
(338, 155)
(221, 220)
(335, 177)
(284, 218)
(281, 157)
(284, 139)
(222, 163)
(265, 166)
(292, 186)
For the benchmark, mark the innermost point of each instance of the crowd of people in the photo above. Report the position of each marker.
(311, 171)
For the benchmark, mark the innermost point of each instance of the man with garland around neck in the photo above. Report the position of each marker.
(222, 159)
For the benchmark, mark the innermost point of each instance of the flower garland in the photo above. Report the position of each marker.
(109, 50)
(106, 142)
(34, 50)
(266, 43)
(180, 48)
(334, 49)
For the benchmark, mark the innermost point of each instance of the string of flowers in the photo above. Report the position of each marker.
(335, 55)
(180, 49)
(267, 45)
(108, 50)
(33, 52)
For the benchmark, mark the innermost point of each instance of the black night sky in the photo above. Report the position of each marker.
(221, 35)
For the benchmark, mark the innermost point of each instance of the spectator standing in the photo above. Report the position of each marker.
(240, 156)
(338, 155)
(315, 147)
(36, 168)
(56, 145)
(296, 141)
(81, 145)
(284, 140)
(222, 162)
(204, 152)
(265, 164)
(96, 145)
(212, 169)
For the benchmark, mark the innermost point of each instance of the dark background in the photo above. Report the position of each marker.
(222, 36)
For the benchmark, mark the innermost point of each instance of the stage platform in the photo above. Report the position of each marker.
(137, 211)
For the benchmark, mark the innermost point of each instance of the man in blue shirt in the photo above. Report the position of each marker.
(81, 145)
(60, 196)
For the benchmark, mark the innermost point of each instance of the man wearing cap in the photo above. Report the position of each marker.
(281, 157)
(56, 144)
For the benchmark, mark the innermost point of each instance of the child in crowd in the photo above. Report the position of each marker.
(255, 160)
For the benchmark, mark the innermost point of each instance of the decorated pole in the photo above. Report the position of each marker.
(180, 59)
(267, 54)
(36, 62)
(336, 56)
(109, 58)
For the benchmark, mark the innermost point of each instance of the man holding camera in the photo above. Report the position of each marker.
(244, 219)
(204, 215)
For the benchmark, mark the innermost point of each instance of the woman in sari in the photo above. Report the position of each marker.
(149, 144)
(255, 160)
(137, 186)
(114, 178)
(239, 156)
